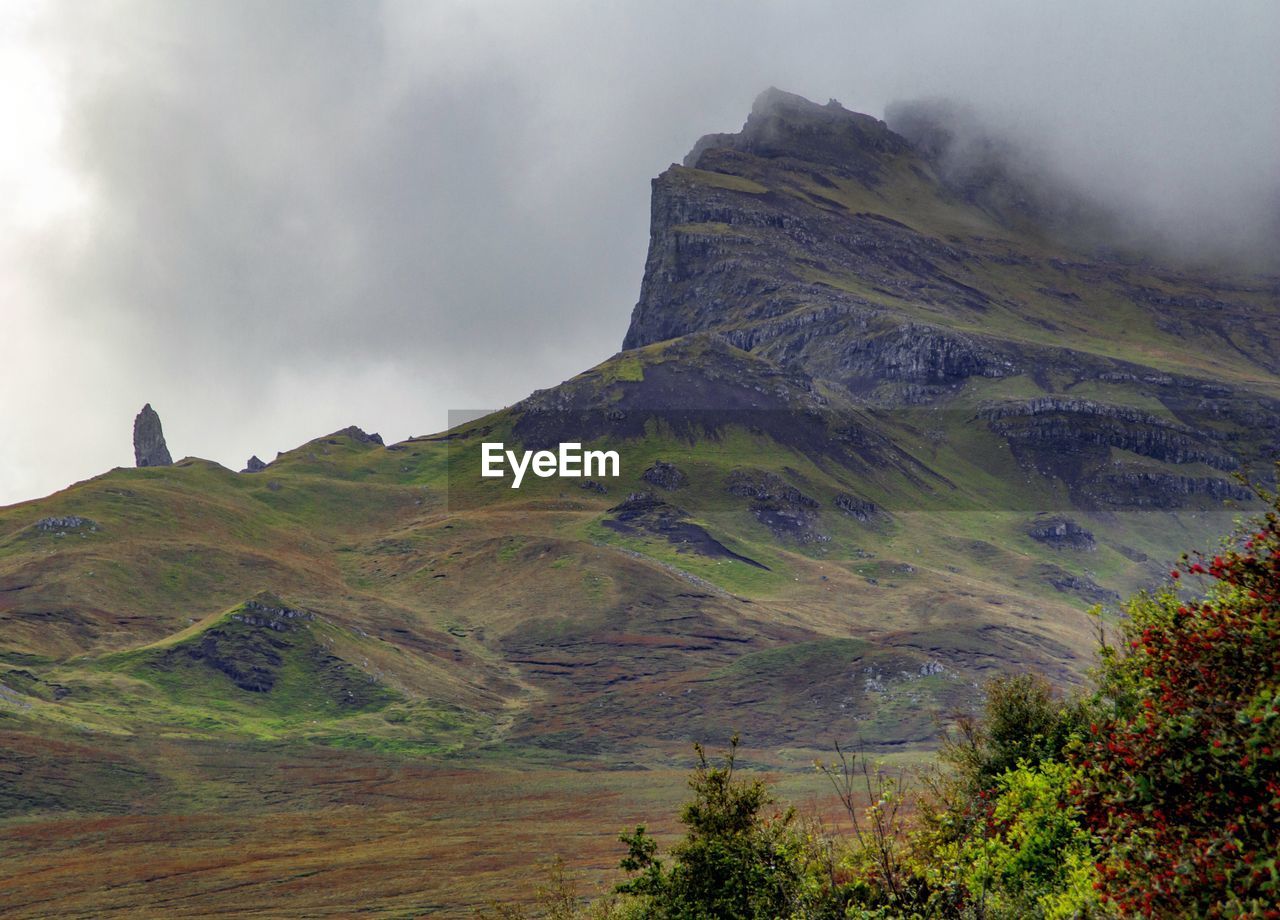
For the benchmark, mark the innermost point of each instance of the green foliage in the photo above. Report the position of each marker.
(735, 860)
(982, 844)
(1025, 721)
(986, 840)
(875, 871)
(1030, 858)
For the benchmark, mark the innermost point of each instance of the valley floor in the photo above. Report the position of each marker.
(324, 833)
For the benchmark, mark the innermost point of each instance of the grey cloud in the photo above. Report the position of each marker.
(306, 215)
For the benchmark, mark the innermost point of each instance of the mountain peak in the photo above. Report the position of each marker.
(783, 124)
(907, 265)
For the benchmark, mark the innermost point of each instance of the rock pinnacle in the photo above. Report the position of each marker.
(148, 439)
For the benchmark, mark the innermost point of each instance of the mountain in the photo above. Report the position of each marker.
(887, 427)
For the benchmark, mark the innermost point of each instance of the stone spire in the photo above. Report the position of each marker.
(148, 439)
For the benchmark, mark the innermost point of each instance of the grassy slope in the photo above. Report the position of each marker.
(521, 605)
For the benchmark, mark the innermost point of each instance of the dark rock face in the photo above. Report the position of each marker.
(665, 475)
(250, 658)
(1139, 488)
(1081, 424)
(251, 662)
(149, 448)
(925, 355)
(714, 250)
(266, 641)
(254, 465)
(764, 486)
(731, 246)
(783, 124)
(702, 388)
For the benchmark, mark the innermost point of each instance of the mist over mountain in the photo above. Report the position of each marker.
(264, 220)
(1011, 169)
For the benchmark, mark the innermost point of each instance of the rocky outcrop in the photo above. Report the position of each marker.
(907, 268)
(358, 434)
(699, 388)
(721, 252)
(1151, 489)
(923, 354)
(1072, 424)
(149, 448)
(70, 523)
(765, 486)
(250, 658)
(784, 509)
(270, 614)
(857, 508)
(783, 124)
(665, 475)
(1082, 587)
(644, 514)
(1061, 533)
(724, 248)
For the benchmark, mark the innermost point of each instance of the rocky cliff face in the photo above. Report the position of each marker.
(149, 448)
(923, 270)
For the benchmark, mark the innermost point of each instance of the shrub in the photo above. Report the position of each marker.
(736, 861)
(1032, 858)
(1025, 720)
(1181, 780)
(876, 874)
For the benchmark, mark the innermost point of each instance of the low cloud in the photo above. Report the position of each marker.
(274, 220)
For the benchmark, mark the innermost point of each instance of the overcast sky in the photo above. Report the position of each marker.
(271, 220)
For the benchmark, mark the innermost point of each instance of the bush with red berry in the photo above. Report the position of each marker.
(1182, 769)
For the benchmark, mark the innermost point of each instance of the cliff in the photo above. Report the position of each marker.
(891, 271)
